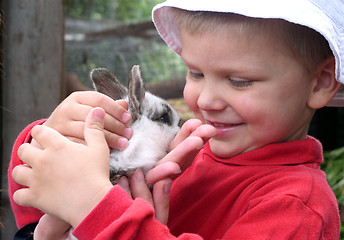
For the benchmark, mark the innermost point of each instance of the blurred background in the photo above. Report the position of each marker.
(116, 34)
(48, 48)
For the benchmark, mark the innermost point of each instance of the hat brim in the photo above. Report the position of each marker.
(303, 12)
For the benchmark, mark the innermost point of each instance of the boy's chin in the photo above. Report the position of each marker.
(224, 150)
(229, 149)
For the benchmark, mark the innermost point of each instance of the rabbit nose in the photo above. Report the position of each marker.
(181, 122)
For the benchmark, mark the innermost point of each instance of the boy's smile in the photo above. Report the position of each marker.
(248, 86)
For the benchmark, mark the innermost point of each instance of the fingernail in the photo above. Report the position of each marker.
(167, 188)
(139, 176)
(128, 132)
(122, 143)
(126, 117)
(123, 182)
(177, 171)
(99, 113)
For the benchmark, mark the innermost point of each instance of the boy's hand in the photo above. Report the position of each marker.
(51, 228)
(69, 118)
(159, 197)
(65, 179)
(185, 146)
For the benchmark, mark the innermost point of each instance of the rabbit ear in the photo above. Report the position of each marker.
(136, 91)
(105, 82)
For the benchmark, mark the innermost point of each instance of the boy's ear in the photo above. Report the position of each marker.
(325, 85)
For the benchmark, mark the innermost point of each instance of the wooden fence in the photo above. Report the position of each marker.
(32, 81)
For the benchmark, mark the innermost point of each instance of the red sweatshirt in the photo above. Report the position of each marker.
(275, 192)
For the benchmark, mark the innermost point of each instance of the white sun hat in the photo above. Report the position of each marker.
(324, 16)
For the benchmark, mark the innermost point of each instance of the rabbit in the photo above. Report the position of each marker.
(154, 123)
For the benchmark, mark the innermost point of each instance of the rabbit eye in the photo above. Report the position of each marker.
(165, 118)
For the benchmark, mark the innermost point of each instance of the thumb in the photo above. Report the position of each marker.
(94, 126)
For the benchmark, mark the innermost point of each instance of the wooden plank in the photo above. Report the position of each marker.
(32, 86)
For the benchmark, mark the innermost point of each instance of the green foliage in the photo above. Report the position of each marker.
(160, 63)
(92, 9)
(135, 10)
(334, 168)
(157, 61)
(121, 10)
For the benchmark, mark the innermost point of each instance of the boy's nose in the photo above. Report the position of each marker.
(210, 98)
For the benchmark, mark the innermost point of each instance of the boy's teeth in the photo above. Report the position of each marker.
(219, 125)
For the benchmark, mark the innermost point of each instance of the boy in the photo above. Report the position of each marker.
(257, 73)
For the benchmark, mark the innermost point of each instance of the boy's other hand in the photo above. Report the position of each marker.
(158, 197)
(185, 146)
(65, 179)
(51, 228)
(69, 118)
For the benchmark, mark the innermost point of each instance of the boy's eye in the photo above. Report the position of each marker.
(196, 75)
(240, 83)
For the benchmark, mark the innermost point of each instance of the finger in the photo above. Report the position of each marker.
(161, 196)
(116, 133)
(139, 187)
(69, 117)
(124, 183)
(114, 125)
(183, 155)
(188, 127)
(189, 146)
(94, 126)
(162, 171)
(23, 148)
(194, 127)
(47, 136)
(111, 125)
(28, 153)
(70, 129)
(76, 107)
(205, 132)
(123, 103)
(22, 197)
(76, 140)
(21, 174)
(116, 141)
(96, 99)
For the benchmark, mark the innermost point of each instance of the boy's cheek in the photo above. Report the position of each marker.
(190, 97)
(192, 103)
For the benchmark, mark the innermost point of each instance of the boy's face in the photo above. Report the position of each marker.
(248, 86)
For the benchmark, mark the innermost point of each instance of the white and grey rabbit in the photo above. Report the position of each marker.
(154, 122)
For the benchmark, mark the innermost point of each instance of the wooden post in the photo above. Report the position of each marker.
(32, 85)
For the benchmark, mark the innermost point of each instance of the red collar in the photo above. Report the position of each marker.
(296, 152)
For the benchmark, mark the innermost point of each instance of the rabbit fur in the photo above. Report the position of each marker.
(154, 123)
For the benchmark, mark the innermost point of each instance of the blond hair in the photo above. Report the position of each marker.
(307, 45)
